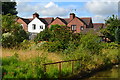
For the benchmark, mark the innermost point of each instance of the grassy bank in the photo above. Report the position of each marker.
(28, 63)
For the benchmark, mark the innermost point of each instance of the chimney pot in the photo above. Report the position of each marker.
(72, 16)
(35, 15)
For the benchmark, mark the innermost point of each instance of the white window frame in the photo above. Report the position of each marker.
(73, 27)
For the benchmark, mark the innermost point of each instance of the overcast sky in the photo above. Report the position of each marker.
(98, 10)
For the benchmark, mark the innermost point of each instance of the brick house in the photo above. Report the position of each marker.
(76, 24)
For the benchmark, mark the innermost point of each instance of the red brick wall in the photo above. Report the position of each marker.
(25, 27)
(78, 24)
(57, 21)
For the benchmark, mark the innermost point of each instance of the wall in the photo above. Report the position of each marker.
(78, 24)
(56, 21)
(38, 24)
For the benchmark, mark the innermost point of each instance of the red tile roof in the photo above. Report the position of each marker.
(98, 25)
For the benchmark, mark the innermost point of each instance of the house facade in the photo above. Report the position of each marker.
(36, 24)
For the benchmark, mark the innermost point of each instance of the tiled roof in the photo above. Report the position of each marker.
(44, 20)
(98, 25)
(67, 20)
(27, 21)
(92, 30)
(81, 20)
(63, 20)
(48, 20)
(86, 20)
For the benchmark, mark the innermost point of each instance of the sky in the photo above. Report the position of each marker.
(98, 10)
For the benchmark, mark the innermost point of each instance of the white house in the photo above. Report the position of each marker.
(36, 26)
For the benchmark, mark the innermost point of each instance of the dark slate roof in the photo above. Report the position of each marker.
(48, 20)
(67, 20)
(44, 20)
(86, 20)
(81, 20)
(27, 21)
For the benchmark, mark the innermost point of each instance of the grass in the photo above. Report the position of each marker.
(28, 63)
(28, 54)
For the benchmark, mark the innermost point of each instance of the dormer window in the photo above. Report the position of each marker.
(73, 27)
(34, 26)
(41, 27)
(82, 28)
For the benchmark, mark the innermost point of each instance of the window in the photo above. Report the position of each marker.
(73, 27)
(41, 27)
(33, 26)
(82, 27)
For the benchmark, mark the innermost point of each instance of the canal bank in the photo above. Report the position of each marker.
(99, 73)
(108, 74)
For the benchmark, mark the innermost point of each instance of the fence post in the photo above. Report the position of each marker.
(72, 67)
(60, 69)
(44, 68)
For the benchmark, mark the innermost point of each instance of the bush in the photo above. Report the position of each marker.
(8, 40)
(117, 35)
(12, 33)
(43, 36)
(91, 43)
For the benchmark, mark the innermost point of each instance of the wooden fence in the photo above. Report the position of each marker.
(60, 65)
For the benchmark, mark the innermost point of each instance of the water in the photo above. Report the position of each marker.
(109, 74)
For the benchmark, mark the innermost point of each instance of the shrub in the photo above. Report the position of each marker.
(90, 42)
(43, 36)
(117, 35)
(8, 40)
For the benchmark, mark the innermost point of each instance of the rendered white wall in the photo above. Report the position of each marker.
(38, 23)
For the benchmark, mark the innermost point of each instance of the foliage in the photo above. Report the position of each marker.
(9, 7)
(111, 25)
(9, 24)
(58, 37)
(12, 33)
(43, 36)
(8, 40)
(54, 27)
(117, 35)
(14, 68)
(90, 42)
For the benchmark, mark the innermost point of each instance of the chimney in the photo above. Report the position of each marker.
(72, 15)
(35, 15)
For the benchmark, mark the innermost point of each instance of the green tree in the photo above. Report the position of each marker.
(43, 36)
(91, 43)
(111, 25)
(12, 32)
(117, 35)
(9, 7)
(9, 24)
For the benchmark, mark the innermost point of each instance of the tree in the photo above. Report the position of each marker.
(111, 25)
(117, 35)
(43, 36)
(9, 24)
(9, 7)
(12, 32)
(91, 43)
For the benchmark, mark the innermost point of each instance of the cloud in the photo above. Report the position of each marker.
(44, 9)
(99, 18)
(102, 9)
